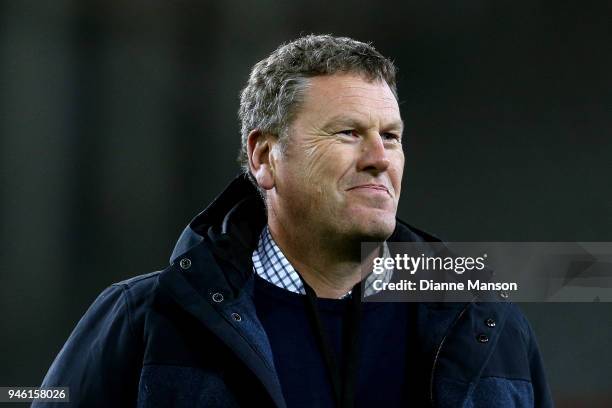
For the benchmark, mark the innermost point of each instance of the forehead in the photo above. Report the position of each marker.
(349, 94)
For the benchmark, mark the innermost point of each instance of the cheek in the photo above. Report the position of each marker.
(325, 162)
(302, 172)
(396, 172)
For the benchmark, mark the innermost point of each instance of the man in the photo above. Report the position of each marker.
(261, 304)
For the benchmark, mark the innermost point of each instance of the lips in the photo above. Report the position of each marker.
(379, 187)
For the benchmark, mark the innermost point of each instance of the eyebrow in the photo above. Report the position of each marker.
(356, 123)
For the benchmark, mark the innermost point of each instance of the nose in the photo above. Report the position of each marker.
(373, 155)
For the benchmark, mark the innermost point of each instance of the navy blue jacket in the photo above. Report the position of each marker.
(188, 336)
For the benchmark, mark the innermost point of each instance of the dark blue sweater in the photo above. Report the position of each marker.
(383, 351)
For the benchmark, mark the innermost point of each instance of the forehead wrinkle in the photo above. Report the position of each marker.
(385, 116)
(376, 98)
(345, 92)
(339, 112)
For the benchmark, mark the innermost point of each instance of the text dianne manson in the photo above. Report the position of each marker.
(430, 285)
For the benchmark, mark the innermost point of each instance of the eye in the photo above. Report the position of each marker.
(347, 132)
(391, 136)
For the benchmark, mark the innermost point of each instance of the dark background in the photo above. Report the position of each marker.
(118, 124)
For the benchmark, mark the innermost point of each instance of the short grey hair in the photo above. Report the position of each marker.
(277, 84)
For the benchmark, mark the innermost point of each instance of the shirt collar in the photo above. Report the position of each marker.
(270, 263)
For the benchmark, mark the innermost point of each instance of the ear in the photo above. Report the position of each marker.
(261, 163)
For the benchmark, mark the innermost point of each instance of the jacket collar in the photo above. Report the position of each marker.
(226, 215)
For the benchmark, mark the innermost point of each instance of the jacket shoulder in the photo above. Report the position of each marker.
(138, 288)
(107, 339)
(139, 292)
(140, 283)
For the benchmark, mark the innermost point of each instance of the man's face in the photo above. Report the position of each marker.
(341, 171)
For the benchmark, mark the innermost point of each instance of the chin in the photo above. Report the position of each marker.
(373, 224)
(375, 230)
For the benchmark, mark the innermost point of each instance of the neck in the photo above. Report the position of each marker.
(330, 268)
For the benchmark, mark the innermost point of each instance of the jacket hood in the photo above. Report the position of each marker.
(236, 206)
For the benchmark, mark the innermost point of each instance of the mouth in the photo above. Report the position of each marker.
(370, 187)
